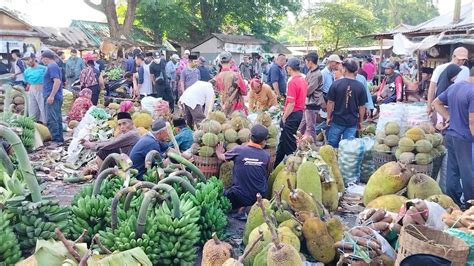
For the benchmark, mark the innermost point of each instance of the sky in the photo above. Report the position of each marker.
(60, 13)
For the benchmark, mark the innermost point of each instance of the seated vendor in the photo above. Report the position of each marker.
(184, 136)
(80, 106)
(154, 140)
(261, 96)
(123, 143)
(250, 174)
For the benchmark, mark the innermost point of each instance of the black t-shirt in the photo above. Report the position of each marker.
(157, 70)
(347, 95)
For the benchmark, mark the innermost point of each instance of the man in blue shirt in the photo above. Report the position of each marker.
(53, 96)
(129, 64)
(74, 66)
(184, 136)
(204, 73)
(277, 75)
(333, 63)
(459, 138)
(153, 140)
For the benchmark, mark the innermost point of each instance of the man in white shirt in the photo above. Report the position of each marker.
(460, 55)
(197, 100)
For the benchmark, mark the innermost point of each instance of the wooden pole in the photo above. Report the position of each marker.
(380, 62)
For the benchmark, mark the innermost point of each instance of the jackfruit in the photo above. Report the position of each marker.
(210, 139)
(444, 201)
(261, 258)
(388, 179)
(72, 124)
(211, 126)
(407, 157)
(255, 218)
(43, 131)
(244, 135)
(423, 158)
(381, 148)
(215, 252)
(273, 176)
(308, 180)
(330, 199)
(422, 186)
(318, 240)
(225, 173)
(272, 131)
(406, 144)
(415, 134)
(329, 156)
(197, 136)
(113, 106)
(294, 226)
(391, 140)
(335, 228)
(281, 180)
(392, 128)
(218, 116)
(424, 146)
(282, 215)
(302, 201)
(206, 151)
(380, 136)
(390, 203)
(264, 119)
(287, 236)
(230, 135)
(283, 255)
(441, 149)
(142, 119)
(259, 246)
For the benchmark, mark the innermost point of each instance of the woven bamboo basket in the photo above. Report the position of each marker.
(419, 239)
(271, 163)
(421, 169)
(381, 158)
(209, 166)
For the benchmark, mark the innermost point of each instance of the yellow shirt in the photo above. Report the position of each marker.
(263, 100)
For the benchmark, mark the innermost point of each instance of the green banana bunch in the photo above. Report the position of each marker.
(177, 236)
(83, 192)
(89, 213)
(27, 126)
(9, 247)
(13, 184)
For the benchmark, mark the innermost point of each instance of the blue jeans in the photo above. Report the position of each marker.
(460, 169)
(54, 119)
(335, 132)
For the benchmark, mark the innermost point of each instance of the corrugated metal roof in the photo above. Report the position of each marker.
(67, 38)
(33, 32)
(274, 46)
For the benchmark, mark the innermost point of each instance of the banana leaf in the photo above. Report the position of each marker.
(52, 253)
(134, 256)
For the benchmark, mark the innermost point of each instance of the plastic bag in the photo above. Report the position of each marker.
(148, 104)
(367, 167)
(351, 152)
(435, 211)
(392, 112)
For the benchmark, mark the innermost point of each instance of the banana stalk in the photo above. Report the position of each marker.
(184, 183)
(185, 173)
(138, 185)
(103, 175)
(5, 161)
(121, 160)
(23, 161)
(151, 157)
(174, 198)
(188, 164)
(149, 197)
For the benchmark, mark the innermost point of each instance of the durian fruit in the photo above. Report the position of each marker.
(388, 179)
(221, 137)
(211, 126)
(230, 146)
(218, 116)
(308, 180)
(225, 173)
(113, 106)
(398, 153)
(390, 203)
(428, 128)
(142, 119)
(244, 135)
(255, 219)
(238, 123)
(264, 119)
(230, 135)
(380, 136)
(302, 201)
(215, 252)
(444, 201)
(329, 156)
(43, 131)
(197, 136)
(415, 134)
(206, 151)
(330, 199)
(406, 144)
(423, 146)
(441, 149)
(438, 139)
(72, 124)
(210, 139)
(335, 228)
(407, 157)
(319, 242)
(391, 140)
(381, 148)
(423, 158)
(392, 128)
(226, 126)
(422, 186)
(272, 131)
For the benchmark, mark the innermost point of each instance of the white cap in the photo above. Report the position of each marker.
(28, 55)
(175, 56)
(187, 52)
(334, 58)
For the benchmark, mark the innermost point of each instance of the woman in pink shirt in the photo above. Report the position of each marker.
(369, 68)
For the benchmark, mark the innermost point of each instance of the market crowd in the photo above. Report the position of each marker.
(334, 96)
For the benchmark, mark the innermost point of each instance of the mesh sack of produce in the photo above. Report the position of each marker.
(68, 100)
(415, 114)
(351, 153)
(367, 167)
(392, 112)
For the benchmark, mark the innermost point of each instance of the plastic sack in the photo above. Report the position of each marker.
(434, 212)
(68, 100)
(469, 239)
(367, 167)
(415, 115)
(391, 112)
(148, 104)
(351, 153)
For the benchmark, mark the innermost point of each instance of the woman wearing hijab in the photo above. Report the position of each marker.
(447, 78)
(80, 105)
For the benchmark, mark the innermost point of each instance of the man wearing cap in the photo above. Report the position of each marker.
(197, 101)
(292, 110)
(277, 75)
(171, 66)
(250, 172)
(184, 136)
(391, 89)
(34, 76)
(246, 68)
(145, 86)
(346, 105)
(123, 143)
(333, 63)
(230, 85)
(459, 138)
(53, 96)
(74, 66)
(152, 141)
(160, 80)
(460, 55)
(314, 98)
(18, 67)
(204, 73)
(190, 74)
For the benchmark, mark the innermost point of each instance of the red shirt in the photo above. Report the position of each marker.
(296, 93)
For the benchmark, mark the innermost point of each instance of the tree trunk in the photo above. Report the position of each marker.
(129, 17)
(457, 12)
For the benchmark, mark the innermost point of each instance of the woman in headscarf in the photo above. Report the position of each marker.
(447, 78)
(80, 106)
(126, 106)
